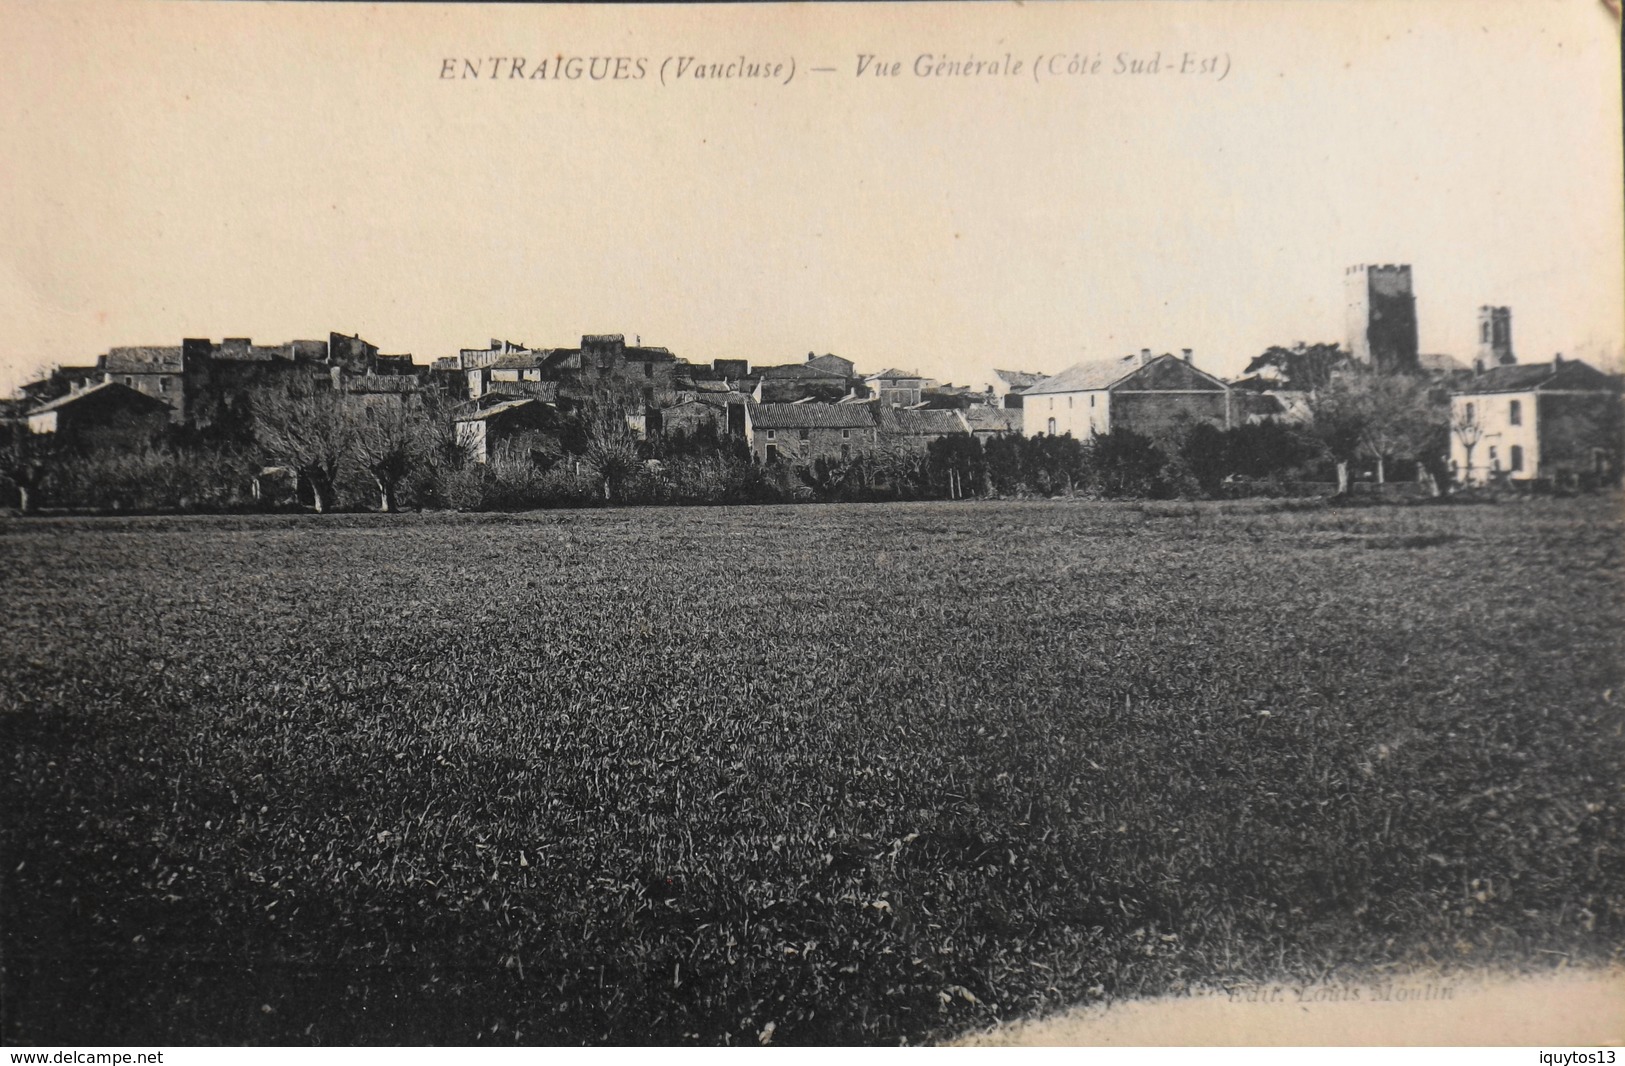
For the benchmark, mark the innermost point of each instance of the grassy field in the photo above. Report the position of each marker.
(849, 773)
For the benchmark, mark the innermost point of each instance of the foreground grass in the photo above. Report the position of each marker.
(860, 774)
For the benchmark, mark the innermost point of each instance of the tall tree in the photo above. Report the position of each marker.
(23, 462)
(1382, 416)
(309, 428)
(391, 441)
(1303, 367)
(612, 455)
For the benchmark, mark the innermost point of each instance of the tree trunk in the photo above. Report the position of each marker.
(25, 499)
(386, 495)
(1379, 469)
(1342, 478)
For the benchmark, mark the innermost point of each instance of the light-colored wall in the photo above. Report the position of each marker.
(1081, 414)
(1493, 413)
(471, 436)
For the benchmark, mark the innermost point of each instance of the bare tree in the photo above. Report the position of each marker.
(309, 429)
(1465, 426)
(389, 442)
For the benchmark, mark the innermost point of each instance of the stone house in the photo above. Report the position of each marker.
(832, 364)
(1007, 386)
(722, 409)
(158, 371)
(108, 415)
(798, 382)
(606, 370)
(1559, 421)
(914, 430)
(510, 425)
(806, 432)
(1157, 397)
(897, 388)
(987, 422)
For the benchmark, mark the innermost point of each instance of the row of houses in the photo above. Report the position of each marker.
(1518, 421)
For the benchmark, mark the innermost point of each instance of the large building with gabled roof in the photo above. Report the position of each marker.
(1156, 396)
(1559, 421)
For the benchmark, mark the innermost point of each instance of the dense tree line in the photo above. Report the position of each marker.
(320, 449)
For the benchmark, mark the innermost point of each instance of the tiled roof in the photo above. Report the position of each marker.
(381, 383)
(893, 374)
(984, 419)
(1524, 377)
(106, 390)
(144, 359)
(923, 423)
(495, 410)
(1441, 362)
(1087, 377)
(519, 360)
(546, 391)
(798, 370)
(1018, 379)
(811, 416)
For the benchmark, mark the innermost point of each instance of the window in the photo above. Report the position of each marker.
(1495, 462)
(1052, 427)
(163, 384)
(806, 434)
(846, 434)
(1516, 457)
(1515, 415)
(1091, 400)
(1052, 403)
(130, 382)
(649, 395)
(1484, 332)
(1469, 413)
(772, 453)
(648, 370)
(770, 434)
(1069, 403)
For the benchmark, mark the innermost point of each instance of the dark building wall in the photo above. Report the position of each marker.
(611, 372)
(352, 353)
(1166, 415)
(1381, 308)
(168, 387)
(1580, 434)
(819, 443)
(108, 422)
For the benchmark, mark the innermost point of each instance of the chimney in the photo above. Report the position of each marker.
(809, 357)
(1185, 353)
(1145, 356)
(1557, 361)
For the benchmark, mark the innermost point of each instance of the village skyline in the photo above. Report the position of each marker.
(160, 189)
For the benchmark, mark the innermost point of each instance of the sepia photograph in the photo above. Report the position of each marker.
(811, 524)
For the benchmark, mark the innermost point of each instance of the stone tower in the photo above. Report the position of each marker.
(1381, 309)
(1495, 337)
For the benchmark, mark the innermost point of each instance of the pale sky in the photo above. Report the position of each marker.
(279, 171)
